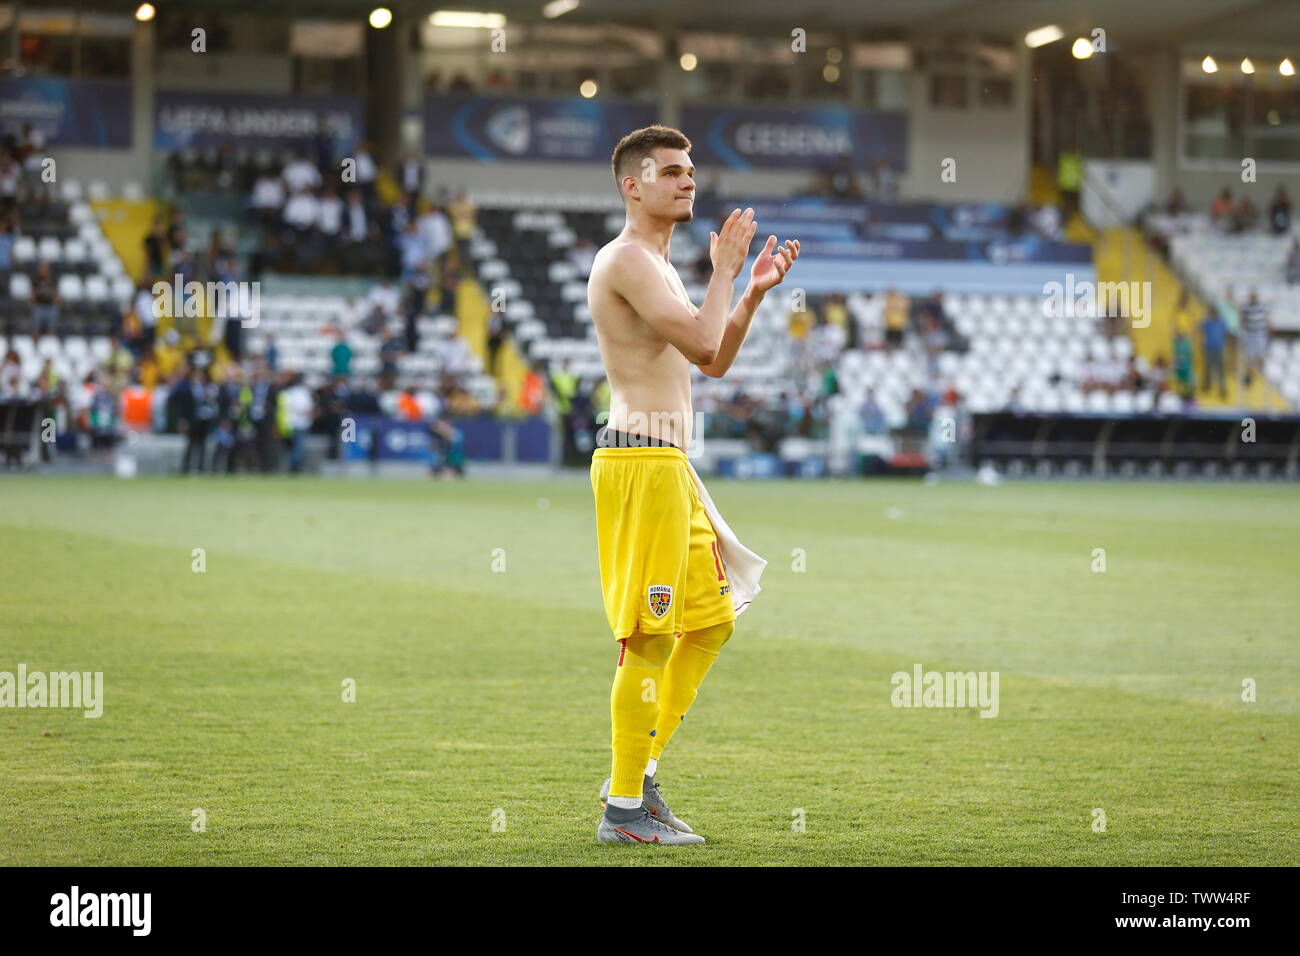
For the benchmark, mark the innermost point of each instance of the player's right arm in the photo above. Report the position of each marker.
(697, 334)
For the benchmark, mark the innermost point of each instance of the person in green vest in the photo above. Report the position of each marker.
(1069, 178)
(564, 385)
(1183, 378)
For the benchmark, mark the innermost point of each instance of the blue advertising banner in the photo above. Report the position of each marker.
(384, 439)
(200, 120)
(799, 137)
(68, 112)
(490, 128)
(995, 252)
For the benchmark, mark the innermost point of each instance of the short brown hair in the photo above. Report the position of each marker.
(636, 146)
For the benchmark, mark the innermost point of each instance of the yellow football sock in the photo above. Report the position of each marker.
(634, 708)
(690, 662)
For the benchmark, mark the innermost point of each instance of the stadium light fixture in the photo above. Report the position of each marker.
(380, 17)
(1209, 66)
(689, 61)
(1082, 49)
(467, 18)
(558, 8)
(1043, 36)
(1286, 68)
(145, 12)
(1247, 67)
(588, 89)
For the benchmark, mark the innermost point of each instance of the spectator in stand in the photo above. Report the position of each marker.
(1254, 336)
(1133, 380)
(1223, 211)
(1246, 216)
(582, 256)
(44, 300)
(390, 352)
(356, 223)
(1227, 307)
(414, 247)
(381, 305)
(329, 218)
(885, 182)
(1183, 379)
(300, 175)
(301, 212)
(1158, 375)
(1177, 205)
(341, 356)
(155, 249)
(11, 174)
(453, 354)
(496, 336)
(268, 199)
(367, 172)
(920, 410)
(1100, 374)
(11, 376)
(1279, 212)
(410, 176)
(6, 244)
(1047, 221)
(1214, 337)
(896, 316)
(837, 314)
(935, 340)
(871, 416)
(436, 229)
(448, 284)
(827, 341)
(1293, 264)
(464, 219)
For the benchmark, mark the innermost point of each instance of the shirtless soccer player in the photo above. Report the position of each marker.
(665, 584)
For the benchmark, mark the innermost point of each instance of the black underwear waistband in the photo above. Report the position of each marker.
(607, 437)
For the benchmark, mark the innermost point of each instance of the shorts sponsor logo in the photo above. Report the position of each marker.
(661, 598)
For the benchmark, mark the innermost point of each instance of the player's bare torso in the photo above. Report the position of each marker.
(649, 379)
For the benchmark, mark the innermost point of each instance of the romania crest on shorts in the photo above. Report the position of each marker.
(661, 598)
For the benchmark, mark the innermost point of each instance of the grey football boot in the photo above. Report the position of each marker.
(652, 801)
(638, 826)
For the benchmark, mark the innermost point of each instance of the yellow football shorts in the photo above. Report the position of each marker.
(661, 570)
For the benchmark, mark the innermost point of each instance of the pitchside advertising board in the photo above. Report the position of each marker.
(489, 128)
(799, 138)
(495, 128)
(68, 112)
(186, 120)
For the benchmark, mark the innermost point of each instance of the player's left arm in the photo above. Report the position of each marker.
(768, 271)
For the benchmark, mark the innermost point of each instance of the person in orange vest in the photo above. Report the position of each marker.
(137, 405)
(408, 408)
(533, 392)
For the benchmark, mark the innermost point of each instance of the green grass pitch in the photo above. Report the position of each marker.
(482, 692)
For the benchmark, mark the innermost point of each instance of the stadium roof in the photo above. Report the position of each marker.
(1126, 22)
